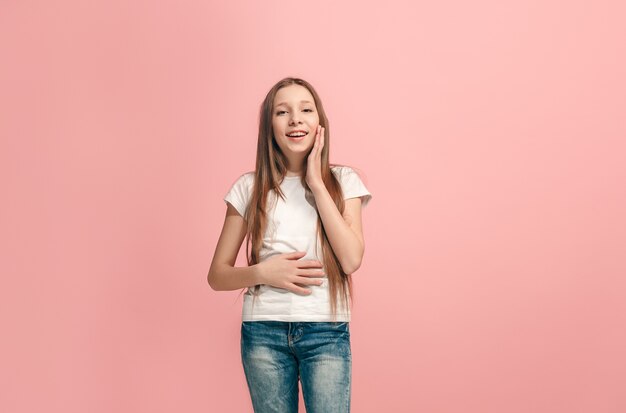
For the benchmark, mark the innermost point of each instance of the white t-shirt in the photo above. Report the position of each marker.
(292, 226)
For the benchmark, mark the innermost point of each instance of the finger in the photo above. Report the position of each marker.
(294, 254)
(299, 290)
(313, 274)
(316, 148)
(312, 154)
(310, 281)
(309, 263)
(321, 143)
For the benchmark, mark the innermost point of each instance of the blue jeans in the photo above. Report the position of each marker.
(275, 354)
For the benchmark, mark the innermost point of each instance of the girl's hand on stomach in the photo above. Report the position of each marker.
(289, 272)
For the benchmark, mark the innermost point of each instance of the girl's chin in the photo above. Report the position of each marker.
(299, 144)
(297, 140)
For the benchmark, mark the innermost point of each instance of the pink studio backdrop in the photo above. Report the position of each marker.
(491, 135)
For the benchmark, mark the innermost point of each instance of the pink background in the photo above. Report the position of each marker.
(490, 133)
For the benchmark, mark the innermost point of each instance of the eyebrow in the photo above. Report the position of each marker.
(285, 103)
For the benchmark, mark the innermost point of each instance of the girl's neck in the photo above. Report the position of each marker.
(295, 164)
(293, 172)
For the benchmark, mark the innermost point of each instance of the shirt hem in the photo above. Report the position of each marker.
(296, 318)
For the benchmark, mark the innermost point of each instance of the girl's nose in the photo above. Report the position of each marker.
(295, 119)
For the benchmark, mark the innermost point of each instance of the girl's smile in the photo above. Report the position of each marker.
(297, 135)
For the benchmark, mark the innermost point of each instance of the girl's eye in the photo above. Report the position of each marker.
(284, 111)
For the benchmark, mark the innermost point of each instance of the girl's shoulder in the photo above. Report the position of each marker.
(342, 171)
(351, 183)
(239, 193)
(245, 178)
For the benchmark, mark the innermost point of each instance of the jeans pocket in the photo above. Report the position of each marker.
(341, 326)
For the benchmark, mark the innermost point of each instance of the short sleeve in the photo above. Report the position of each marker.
(239, 193)
(353, 186)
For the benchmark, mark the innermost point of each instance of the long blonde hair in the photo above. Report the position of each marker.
(269, 173)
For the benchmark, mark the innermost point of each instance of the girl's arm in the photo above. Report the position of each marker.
(223, 275)
(286, 270)
(345, 233)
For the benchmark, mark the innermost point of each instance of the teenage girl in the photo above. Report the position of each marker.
(302, 220)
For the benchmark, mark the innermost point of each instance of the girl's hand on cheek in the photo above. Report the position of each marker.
(314, 161)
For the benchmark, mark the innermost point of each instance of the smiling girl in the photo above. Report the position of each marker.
(302, 219)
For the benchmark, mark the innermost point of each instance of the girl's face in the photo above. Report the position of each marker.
(294, 110)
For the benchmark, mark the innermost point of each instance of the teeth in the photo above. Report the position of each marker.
(295, 135)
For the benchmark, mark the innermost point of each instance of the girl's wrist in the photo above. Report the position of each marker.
(317, 187)
(259, 274)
